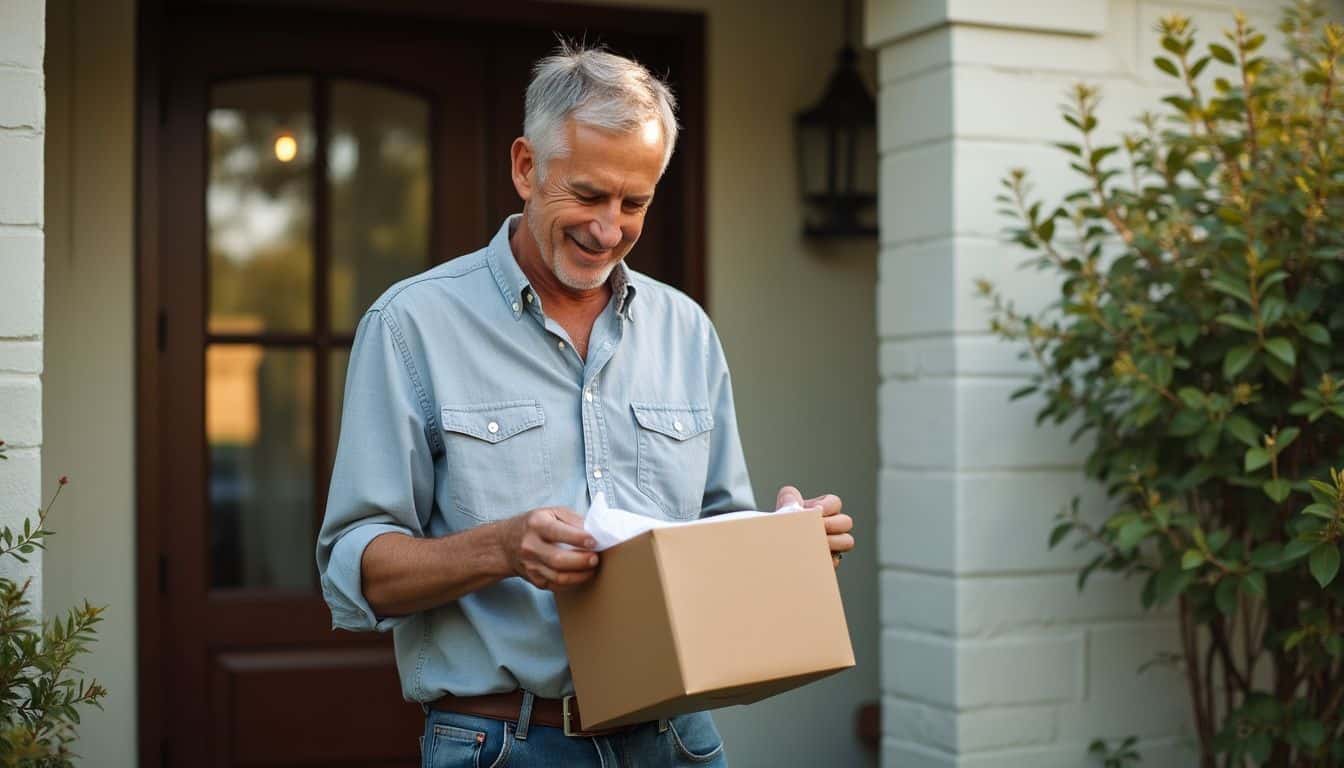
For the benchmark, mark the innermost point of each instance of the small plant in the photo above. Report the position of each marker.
(39, 696)
(1122, 755)
(1194, 341)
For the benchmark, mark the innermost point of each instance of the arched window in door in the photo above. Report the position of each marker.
(318, 198)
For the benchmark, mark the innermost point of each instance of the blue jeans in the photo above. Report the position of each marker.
(463, 741)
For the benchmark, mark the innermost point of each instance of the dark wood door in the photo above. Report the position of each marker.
(304, 161)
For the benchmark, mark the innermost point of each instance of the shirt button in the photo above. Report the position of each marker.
(528, 296)
(588, 395)
(560, 345)
(492, 427)
(597, 473)
(677, 426)
(515, 306)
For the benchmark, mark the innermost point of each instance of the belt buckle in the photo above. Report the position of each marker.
(564, 708)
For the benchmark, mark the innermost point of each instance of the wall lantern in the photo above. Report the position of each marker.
(837, 154)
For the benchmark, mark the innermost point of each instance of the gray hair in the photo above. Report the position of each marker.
(598, 89)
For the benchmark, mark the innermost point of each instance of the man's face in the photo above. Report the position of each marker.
(589, 210)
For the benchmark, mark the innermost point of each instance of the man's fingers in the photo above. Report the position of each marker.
(838, 524)
(557, 530)
(840, 543)
(830, 504)
(788, 495)
(560, 559)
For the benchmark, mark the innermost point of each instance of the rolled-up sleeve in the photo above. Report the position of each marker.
(383, 478)
(727, 486)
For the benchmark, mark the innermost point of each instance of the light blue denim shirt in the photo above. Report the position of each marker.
(466, 404)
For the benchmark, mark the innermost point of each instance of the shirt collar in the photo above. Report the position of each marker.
(513, 283)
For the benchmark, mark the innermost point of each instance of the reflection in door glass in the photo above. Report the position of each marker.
(259, 427)
(259, 203)
(378, 172)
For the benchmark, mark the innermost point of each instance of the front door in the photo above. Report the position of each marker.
(307, 161)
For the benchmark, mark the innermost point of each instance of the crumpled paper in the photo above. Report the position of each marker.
(610, 526)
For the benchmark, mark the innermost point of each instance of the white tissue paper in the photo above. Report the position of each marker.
(610, 526)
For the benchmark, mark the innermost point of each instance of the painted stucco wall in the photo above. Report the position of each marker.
(89, 411)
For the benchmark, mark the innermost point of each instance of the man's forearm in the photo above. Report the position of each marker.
(401, 574)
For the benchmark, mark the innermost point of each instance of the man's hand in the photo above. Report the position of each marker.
(838, 526)
(531, 545)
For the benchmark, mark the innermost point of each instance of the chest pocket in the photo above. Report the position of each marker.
(497, 461)
(673, 458)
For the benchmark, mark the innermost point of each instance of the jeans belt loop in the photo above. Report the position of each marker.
(524, 717)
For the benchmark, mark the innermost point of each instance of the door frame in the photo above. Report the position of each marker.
(155, 19)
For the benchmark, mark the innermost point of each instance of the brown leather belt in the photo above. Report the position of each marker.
(556, 713)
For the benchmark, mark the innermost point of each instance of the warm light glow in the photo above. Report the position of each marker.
(652, 131)
(286, 148)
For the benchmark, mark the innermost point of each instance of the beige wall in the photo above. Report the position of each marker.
(88, 412)
(797, 320)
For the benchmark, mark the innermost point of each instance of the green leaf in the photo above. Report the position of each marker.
(1329, 490)
(1186, 423)
(1192, 558)
(1254, 584)
(1242, 429)
(1310, 732)
(1059, 533)
(1325, 511)
(1271, 280)
(1324, 563)
(1222, 54)
(1236, 321)
(1282, 349)
(1236, 360)
(1132, 534)
(1285, 438)
(1193, 398)
(1277, 490)
(1170, 583)
(1166, 65)
(1297, 548)
(1316, 334)
(1256, 458)
(1231, 286)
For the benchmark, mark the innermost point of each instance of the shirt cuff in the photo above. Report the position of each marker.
(341, 583)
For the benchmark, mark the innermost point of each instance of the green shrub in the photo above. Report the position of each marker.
(1201, 274)
(39, 697)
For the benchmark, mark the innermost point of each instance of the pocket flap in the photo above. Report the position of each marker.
(679, 422)
(493, 422)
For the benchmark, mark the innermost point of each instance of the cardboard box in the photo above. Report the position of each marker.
(700, 616)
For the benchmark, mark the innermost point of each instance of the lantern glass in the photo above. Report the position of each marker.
(813, 155)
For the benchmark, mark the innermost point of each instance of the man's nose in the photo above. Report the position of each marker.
(606, 232)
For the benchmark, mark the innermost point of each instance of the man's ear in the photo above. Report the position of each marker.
(522, 165)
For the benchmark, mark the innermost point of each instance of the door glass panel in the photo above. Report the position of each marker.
(378, 172)
(259, 427)
(259, 205)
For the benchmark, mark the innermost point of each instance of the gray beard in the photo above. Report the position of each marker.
(552, 260)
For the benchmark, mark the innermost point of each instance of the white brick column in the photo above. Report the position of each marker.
(990, 657)
(22, 107)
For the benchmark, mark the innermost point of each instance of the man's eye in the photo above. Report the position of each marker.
(633, 206)
(589, 199)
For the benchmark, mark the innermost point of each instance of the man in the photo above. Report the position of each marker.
(490, 397)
